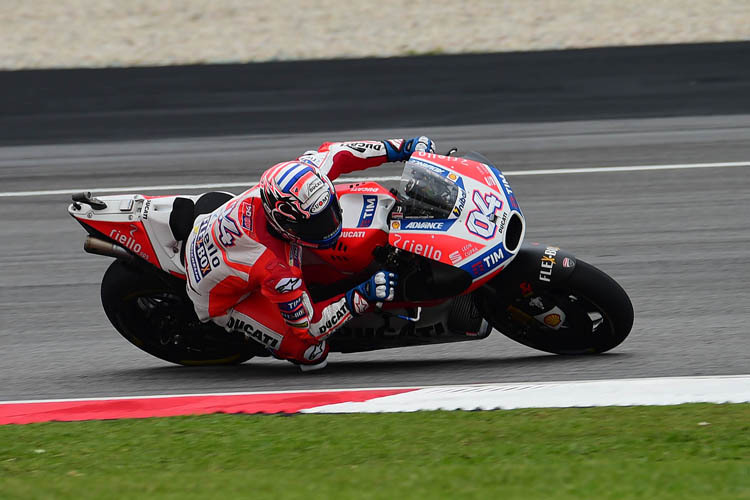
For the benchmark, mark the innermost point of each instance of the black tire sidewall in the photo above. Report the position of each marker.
(586, 282)
(609, 297)
(120, 284)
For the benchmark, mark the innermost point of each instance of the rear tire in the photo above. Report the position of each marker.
(598, 314)
(154, 314)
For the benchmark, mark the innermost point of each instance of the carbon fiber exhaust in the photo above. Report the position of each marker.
(107, 248)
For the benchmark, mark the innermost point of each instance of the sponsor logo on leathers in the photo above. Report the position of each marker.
(315, 351)
(294, 315)
(246, 220)
(203, 253)
(288, 285)
(360, 304)
(227, 229)
(336, 318)
(362, 147)
(295, 255)
(270, 339)
(291, 305)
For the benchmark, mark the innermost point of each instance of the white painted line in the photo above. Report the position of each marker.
(248, 184)
(130, 189)
(631, 168)
(628, 392)
(174, 187)
(204, 394)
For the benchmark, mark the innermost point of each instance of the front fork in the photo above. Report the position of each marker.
(519, 291)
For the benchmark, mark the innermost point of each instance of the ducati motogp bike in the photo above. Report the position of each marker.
(453, 230)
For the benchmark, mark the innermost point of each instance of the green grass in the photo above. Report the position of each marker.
(688, 451)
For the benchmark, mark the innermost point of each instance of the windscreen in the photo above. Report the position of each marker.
(424, 193)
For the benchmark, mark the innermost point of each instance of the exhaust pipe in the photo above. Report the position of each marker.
(101, 247)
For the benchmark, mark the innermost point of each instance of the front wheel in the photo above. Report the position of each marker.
(156, 316)
(588, 313)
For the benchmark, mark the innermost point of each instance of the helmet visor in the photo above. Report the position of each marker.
(321, 229)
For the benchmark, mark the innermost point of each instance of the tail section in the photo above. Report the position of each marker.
(132, 225)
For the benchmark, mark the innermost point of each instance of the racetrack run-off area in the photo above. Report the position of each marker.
(632, 392)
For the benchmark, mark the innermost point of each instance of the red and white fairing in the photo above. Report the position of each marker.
(140, 224)
(474, 236)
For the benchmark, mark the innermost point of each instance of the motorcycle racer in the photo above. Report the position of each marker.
(243, 260)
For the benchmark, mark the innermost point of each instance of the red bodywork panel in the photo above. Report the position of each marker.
(131, 235)
(351, 255)
(353, 251)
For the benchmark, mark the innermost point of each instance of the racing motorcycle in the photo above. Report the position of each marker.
(452, 229)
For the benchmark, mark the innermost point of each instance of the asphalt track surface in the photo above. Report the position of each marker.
(677, 240)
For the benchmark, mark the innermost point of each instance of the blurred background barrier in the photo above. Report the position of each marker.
(96, 33)
(72, 105)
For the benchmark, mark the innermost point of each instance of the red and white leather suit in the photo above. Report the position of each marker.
(246, 279)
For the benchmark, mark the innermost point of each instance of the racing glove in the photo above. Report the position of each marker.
(408, 147)
(381, 287)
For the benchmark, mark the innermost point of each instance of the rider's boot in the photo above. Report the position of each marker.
(314, 357)
(312, 368)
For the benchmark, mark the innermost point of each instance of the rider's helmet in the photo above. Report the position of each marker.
(301, 204)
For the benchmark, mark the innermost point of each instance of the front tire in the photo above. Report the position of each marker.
(597, 314)
(154, 314)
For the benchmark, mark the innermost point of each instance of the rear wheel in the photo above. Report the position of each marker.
(588, 313)
(156, 316)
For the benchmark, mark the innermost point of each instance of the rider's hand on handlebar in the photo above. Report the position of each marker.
(381, 287)
(422, 143)
(409, 146)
